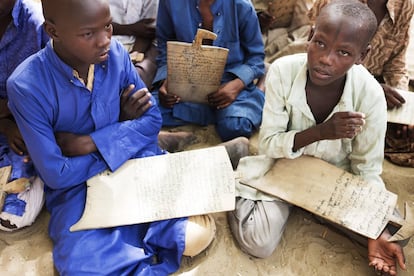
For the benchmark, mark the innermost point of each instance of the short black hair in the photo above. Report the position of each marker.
(358, 12)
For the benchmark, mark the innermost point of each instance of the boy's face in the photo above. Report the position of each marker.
(6, 7)
(335, 46)
(82, 33)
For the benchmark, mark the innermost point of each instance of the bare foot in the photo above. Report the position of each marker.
(236, 149)
(175, 141)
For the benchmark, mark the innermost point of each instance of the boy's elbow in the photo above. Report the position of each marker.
(155, 117)
(59, 177)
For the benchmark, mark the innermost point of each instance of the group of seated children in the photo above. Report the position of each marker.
(81, 107)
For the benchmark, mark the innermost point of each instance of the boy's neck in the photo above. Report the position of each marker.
(81, 69)
(323, 99)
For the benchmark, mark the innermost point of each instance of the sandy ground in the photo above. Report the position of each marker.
(307, 247)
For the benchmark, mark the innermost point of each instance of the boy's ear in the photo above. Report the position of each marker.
(363, 54)
(50, 29)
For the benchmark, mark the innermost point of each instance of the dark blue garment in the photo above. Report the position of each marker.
(23, 37)
(45, 97)
(13, 205)
(237, 29)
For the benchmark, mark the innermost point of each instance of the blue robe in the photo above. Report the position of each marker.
(237, 29)
(45, 97)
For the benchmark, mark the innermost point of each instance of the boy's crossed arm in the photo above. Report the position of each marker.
(132, 107)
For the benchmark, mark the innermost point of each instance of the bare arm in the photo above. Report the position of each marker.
(340, 125)
(9, 128)
(4, 110)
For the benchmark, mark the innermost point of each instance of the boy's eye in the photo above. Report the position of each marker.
(343, 53)
(88, 34)
(108, 27)
(319, 44)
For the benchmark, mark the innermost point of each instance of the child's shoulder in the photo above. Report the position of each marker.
(31, 69)
(291, 63)
(364, 86)
(360, 76)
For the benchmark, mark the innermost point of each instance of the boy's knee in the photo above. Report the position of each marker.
(257, 226)
(200, 232)
(21, 210)
(232, 127)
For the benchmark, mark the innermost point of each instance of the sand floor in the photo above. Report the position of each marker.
(307, 247)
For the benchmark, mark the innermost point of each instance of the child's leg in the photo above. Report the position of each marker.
(242, 117)
(141, 249)
(147, 67)
(175, 141)
(258, 225)
(236, 148)
(21, 209)
(200, 232)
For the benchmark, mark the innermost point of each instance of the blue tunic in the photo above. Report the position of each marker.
(45, 97)
(237, 29)
(23, 37)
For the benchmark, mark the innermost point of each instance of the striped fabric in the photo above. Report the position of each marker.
(387, 58)
(410, 52)
(282, 10)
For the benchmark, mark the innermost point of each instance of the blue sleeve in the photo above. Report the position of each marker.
(120, 141)
(164, 32)
(251, 43)
(56, 170)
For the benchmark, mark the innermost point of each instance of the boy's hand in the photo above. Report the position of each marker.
(144, 28)
(393, 98)
(226, 94)
(401, 131)
(384, 255)
(167, 100)
(73, 144)
(265, 19)
(4, 109)
(342, 125)
(134, 105)
(14, 137)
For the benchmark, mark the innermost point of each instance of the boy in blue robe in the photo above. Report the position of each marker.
(82, 108)
(236, 107)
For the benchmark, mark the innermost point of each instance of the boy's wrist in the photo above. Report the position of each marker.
(318, 132)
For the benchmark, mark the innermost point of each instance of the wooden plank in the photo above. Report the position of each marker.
(195, 70)
(5, 173)
(329, 192)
